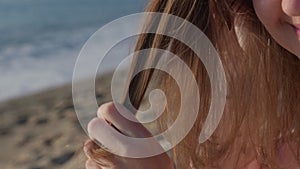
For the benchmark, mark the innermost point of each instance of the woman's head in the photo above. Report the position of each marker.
(282, 20)
(263, 78)
(262, 111)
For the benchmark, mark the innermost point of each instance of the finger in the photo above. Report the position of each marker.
(118, 143)
(87, 148)
(104, 133)
(127, 125)
(104, 160)
(90, 164)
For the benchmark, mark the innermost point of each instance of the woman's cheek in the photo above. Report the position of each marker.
(268, 11)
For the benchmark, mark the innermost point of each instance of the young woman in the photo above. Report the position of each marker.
(259, 45)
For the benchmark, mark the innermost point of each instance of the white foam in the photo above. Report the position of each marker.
(33, 67)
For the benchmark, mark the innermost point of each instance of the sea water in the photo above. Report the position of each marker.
(41, 39)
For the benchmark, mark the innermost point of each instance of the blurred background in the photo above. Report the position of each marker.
(40, 39)
(39, 43)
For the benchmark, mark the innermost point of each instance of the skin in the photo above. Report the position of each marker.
(108, 115)
(280, 17)
(282, 20)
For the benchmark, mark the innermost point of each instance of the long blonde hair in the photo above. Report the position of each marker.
(262, 111)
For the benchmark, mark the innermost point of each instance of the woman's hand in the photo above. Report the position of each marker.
(108, 116)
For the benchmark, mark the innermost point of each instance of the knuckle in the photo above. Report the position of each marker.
(107, 110)
(88, 149)
(91, 125)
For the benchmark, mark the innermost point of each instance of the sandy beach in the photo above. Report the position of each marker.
(41, 131)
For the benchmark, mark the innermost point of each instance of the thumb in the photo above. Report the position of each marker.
(121, 136)
(123, 120)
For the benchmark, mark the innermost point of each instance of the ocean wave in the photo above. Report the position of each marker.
(39, 65)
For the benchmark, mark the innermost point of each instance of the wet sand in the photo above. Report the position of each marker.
(41, 131)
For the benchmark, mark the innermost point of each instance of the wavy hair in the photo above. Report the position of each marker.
(262, 112)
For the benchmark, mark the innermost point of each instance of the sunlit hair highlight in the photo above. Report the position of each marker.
(262, 111)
